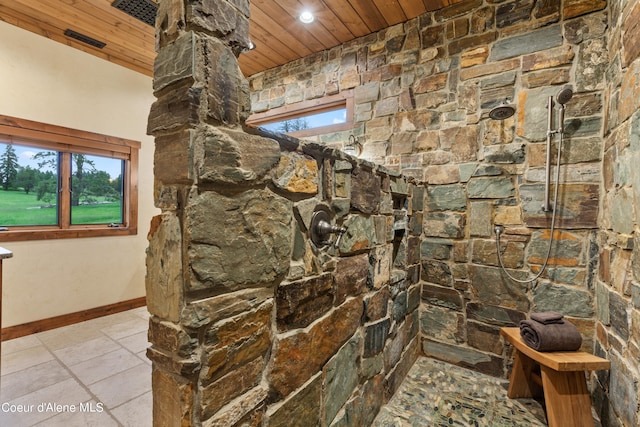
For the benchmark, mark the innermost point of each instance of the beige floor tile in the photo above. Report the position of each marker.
(141, 312)
(68, 336)
(68, 392)
(136, 342)
(120, 330)
(105, 365)
(21, 418)
(18, 344)
(112, 319)
(89, 414)
(32, 379)
(124, 386)
(136, 412)
(143, 355)
(23, 359)
(86, 350)
(102, 361)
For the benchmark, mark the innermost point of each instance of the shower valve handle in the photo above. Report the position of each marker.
(325, 229)
(321, 229)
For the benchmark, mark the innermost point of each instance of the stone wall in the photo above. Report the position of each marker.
(618, 279)
(423, 90)
(252, 322)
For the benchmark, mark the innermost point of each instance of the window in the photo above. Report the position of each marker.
(309, 118)
(57, 182)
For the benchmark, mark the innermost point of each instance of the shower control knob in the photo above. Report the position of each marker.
(321, 229)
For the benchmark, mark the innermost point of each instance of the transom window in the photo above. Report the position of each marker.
(309, 118)
(308, 121)
(57, 182)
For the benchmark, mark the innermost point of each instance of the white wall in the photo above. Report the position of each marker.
(49, 82)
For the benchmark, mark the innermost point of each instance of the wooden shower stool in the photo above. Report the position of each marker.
(560, 375)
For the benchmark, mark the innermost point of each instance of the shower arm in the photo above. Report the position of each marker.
(547, 171)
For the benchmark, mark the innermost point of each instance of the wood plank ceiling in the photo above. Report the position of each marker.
(275, 29)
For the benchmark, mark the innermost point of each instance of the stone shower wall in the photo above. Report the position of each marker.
(422, 93)
(252, 323)
(618, 280)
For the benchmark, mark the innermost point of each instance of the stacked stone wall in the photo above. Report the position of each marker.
(422, 93)
(617, 287)
(252, 322)
(254, 325)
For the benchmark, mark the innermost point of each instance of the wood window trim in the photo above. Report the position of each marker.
(318, 105)
(58, 138)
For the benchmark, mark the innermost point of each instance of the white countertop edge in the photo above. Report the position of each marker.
(5, 253)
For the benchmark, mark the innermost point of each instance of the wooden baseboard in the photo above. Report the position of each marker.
(69, 319)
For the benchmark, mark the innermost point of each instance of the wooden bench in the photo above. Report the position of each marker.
(559, 375)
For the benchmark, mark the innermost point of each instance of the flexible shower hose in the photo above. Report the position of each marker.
(498, 229)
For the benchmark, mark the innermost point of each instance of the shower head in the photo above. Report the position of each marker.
(502, 111)
(564, 95)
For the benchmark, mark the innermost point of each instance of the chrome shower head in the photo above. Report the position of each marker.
(502, 111)
(564, 95)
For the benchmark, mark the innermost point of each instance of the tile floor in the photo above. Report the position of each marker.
(93, 373)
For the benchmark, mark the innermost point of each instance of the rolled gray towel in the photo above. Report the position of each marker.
(550, 337)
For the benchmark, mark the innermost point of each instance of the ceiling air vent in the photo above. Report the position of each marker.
(144, 10)
(84, 39)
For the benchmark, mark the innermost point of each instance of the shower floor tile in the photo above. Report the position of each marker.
(439, 394)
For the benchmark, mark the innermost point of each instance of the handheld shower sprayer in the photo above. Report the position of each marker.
(563, 96)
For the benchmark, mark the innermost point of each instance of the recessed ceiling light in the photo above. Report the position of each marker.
(306, 17)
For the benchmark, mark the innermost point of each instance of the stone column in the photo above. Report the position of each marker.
(223, 239)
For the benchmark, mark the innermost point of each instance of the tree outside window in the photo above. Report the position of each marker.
(8, 167)
(59, 183)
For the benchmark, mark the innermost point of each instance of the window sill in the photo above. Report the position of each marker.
(22, 234)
